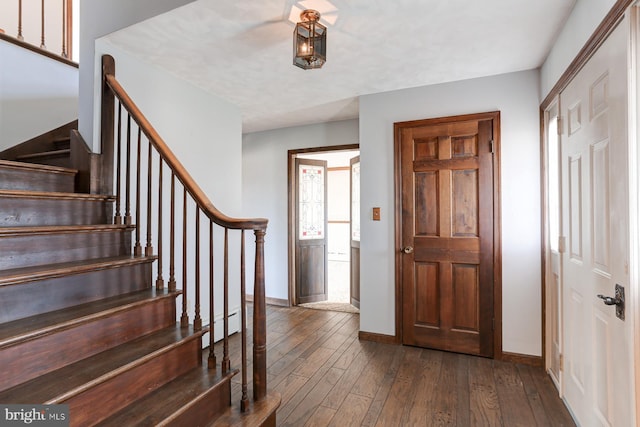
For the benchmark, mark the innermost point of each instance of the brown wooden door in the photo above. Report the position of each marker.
(311, 231)
(354, 257)
(447, 184)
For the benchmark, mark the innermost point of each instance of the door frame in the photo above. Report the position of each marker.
(497, 236)
(291, 208)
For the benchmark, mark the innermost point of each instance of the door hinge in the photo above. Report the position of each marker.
(561, 362)
(562, 244)
(491, 146)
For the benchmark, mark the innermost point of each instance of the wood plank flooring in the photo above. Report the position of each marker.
(327, 377)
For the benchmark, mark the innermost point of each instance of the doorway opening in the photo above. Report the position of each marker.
(323, 239)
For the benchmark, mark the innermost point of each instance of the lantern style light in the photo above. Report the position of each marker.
(309, 41)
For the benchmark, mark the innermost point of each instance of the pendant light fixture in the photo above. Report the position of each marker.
(309, 41)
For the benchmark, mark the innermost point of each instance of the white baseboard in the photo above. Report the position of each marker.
(218, 326)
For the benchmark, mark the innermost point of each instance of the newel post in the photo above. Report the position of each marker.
(107, 126)
(259, 323)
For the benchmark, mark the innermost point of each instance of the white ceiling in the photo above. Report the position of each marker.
(242, 50)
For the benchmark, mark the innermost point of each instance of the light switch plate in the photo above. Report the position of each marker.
(376, 214)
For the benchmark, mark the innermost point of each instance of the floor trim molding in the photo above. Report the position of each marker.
(380, 338)
(523, 359)
(272, 301)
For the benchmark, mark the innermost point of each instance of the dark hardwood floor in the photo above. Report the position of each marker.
(326, 376)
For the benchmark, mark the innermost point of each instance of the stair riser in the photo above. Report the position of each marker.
(35, 212)
(207, 408)
(28, 299)
(91, 406)
(62, 160)
(31, 250)
(30, 180)
(62, 144)
(27, 360)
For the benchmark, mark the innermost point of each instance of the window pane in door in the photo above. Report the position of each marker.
(554, 183)
(311, 199)
(355, 201)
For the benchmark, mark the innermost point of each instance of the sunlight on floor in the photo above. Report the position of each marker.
(339, 281)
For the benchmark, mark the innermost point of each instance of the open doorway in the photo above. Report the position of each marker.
(324, 267)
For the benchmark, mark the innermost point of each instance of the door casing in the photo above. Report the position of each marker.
(497, 247)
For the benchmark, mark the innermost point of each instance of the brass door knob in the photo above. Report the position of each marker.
(407, 249)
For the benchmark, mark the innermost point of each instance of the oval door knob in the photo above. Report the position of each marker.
(407, 249)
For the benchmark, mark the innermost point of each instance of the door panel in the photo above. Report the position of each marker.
(447, 183)
(311, 231)
(597, 345)
(355, 232)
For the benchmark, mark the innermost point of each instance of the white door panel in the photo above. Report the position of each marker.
(597, 384)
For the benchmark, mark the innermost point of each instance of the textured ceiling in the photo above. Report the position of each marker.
(241, 50)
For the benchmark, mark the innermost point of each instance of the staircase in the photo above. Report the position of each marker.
(88, 311)
(84, 323)
(81, 323)
(51, 148)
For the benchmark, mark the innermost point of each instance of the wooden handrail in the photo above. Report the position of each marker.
(36, 49)
(181, 173)
(118, 149)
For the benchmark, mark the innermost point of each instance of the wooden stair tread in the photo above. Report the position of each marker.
(169, 401)
(60, 385)
(40, 272)
(44, 154)
(256, 415)
(35, 326)
(57, 229)
(36, 167)
(55, 195)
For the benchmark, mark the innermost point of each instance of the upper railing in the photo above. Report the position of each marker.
(133, 152)
(44, 24)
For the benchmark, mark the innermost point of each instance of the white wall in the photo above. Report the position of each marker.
(515, 95)
(205, 134)
(265, 191)
(99, 18)
(37, 94)
(584, 19)
(203, 130)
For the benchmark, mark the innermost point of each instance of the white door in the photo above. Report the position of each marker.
(598, 362)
